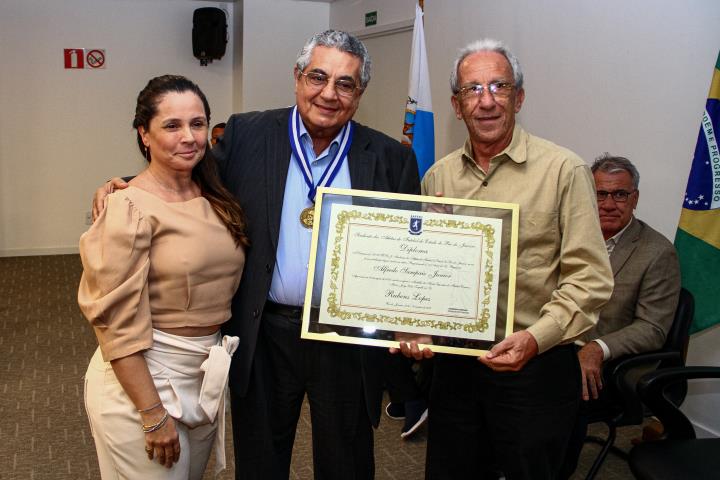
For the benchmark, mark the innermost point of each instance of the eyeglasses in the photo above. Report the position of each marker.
(343, 87)
(498, 90)
(620, 196)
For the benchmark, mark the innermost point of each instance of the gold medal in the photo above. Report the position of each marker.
(307, 216)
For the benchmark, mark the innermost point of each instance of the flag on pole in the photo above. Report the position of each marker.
(698, 235)
(419, 129)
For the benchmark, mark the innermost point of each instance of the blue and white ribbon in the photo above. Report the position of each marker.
(302, 158)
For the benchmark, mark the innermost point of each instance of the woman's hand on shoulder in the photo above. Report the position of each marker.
(100, 198)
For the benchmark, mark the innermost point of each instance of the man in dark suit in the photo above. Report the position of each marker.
(273, 368)
(647, 287)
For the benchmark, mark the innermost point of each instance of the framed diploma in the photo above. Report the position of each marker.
(387, 266)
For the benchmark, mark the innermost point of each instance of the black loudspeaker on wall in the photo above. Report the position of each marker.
(209, 34)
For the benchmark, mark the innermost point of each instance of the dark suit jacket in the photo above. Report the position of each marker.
(253, 157)
(647, 287)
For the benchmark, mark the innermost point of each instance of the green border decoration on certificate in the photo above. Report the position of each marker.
(383, 264)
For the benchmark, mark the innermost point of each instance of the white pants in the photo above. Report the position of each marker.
(178, 366)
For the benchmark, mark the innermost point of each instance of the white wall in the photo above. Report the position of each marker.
(703, 400)
(349, 15)
(64, 132)
(274, 31)
(630, 78)
(626, 77)
(383, 104)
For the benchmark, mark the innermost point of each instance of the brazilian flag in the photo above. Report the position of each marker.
(698, 235)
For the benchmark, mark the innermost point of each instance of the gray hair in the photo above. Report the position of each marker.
(486, 45)
(611, 164)
(342, 41)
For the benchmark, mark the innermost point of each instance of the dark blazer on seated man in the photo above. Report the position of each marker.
(641, 309)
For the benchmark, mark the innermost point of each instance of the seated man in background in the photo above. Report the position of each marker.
(217, 131)
(647, 287)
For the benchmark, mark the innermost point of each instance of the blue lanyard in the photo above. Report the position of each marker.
(302, 158)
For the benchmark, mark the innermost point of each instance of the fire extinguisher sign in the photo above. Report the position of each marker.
(74, 57)
(81, 58)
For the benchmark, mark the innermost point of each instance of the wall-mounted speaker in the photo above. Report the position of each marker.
(209, 34)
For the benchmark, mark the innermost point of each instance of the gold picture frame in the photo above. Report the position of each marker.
(383, 264)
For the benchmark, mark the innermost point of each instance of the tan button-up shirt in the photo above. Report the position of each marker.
(563, 272)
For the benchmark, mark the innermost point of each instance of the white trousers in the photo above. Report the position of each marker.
(190, 374)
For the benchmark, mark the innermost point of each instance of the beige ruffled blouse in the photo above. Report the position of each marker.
(150, 263)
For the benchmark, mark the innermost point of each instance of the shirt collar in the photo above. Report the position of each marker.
(307, 141)
(515, 151)
(612, 242)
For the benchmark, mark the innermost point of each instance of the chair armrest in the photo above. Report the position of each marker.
(623, 389)
(625, 364)
(652, 390)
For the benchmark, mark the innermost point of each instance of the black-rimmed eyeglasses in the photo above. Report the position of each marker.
(619, 196)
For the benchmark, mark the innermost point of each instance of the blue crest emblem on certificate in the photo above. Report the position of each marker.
(415, 227)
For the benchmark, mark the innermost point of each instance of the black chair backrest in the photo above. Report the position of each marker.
(677, 341)
(675, 344)
(679, 334)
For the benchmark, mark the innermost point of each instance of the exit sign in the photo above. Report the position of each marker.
(371, 18)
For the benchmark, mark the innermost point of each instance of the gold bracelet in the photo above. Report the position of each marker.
(156, 426)
(145, 410)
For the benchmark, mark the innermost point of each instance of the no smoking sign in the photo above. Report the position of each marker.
(95, 58)
(76, 58)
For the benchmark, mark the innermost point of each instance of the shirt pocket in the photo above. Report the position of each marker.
(538, 239)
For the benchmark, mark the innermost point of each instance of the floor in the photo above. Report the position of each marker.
(45, 346)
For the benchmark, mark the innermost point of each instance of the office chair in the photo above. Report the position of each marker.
(680, 455)
(625, 407)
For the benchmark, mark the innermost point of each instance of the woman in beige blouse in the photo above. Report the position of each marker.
(161, 265)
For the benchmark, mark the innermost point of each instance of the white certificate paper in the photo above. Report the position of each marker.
(420, 272)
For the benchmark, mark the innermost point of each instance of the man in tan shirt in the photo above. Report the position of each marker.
(513, 410)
